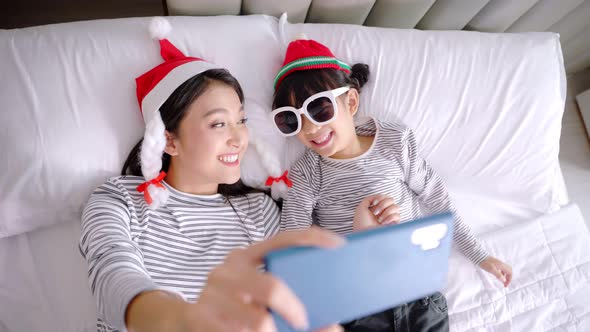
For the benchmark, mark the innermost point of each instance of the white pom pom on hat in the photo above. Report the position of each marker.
(160, 28)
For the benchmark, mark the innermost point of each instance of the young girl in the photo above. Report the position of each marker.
(316, 97)
(156, 240)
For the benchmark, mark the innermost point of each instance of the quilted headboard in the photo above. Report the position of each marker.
(569, 18)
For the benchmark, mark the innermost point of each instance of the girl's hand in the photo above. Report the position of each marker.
(498, 269)
(374, 211)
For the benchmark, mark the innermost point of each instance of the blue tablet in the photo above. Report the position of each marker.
(376, 270)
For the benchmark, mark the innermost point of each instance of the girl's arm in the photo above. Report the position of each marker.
(429, 187)
(300, 202)
(268, 216)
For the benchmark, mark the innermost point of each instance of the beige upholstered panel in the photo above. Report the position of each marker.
(343, 11)
(577, 51)
(398, 13)
(574, 31)
(450, 14)
(569, 18)
(498, 15)
(204, 7)
(574, 22)
(297, 10)
(543, 15)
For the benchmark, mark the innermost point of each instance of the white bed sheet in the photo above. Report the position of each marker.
(43, 283)
(550, 256)
(43, 286)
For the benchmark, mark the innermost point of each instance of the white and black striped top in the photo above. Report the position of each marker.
(130, 248)
(327, 191)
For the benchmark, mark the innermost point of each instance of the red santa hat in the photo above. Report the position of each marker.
(301, 54)
(306, 54)
(153, 89)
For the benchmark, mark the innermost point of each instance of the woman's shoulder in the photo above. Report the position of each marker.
(260, 197)
(122, 183)
(119, 189)
(252, 202)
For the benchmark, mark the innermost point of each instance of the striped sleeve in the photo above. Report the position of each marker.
(270, 216)
(300, 202)
(430, 189)
(115, 264)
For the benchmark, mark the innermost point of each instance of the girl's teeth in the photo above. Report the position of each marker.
(323, 139)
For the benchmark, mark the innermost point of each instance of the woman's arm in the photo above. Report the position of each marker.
(156, 311)
(236, 296)
(115, 264)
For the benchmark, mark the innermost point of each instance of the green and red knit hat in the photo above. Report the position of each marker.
(306, 54)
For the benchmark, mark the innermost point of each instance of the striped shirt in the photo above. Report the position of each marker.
(130, 248)
(327, 191)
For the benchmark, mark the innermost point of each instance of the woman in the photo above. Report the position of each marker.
(164, 241)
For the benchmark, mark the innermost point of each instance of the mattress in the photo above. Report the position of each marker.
(486, 109)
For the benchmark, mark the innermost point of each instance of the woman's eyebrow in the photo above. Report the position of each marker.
(215, 111)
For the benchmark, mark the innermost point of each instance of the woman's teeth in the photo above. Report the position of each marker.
(228, 158)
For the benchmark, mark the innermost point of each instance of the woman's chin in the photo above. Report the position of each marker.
(231, 179)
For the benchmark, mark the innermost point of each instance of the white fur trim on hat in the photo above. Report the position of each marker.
(271, 163)
(301, 36)
(159, 196)
(279, 190)
(159, 28)
(151, 103)
(152, 148)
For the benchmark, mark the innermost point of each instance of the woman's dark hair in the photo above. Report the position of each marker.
(298, 86)
(173, 112)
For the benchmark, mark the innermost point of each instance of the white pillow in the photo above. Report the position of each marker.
(486, 108)
(70, 115)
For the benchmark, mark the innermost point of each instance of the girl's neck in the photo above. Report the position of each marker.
(182, 180)
(358, 146)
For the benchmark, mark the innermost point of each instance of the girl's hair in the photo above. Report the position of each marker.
(298, 86)
(174, 110)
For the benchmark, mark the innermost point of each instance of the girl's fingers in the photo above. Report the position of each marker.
(374, 200)
(383, 205)
(507, 275)
(390, 210)
(393, 218)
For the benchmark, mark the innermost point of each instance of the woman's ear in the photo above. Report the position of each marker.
(353, 101)
(171, 144)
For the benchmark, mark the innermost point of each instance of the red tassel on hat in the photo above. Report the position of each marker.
(284, 178)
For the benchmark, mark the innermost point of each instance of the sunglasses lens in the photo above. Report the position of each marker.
(321, 109)
(286, 121)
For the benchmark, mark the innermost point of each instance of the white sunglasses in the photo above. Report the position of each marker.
(320, 109)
